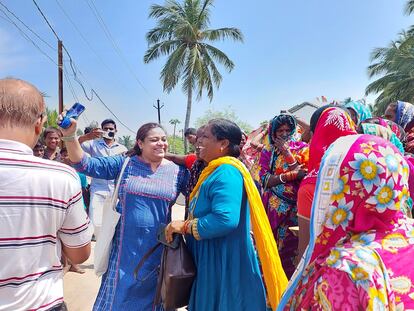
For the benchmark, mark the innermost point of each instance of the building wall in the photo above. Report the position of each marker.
(305, 113)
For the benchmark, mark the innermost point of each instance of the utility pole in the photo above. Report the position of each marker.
(158, 107)
(60, 76)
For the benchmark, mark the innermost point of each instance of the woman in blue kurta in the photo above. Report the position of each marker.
(228, 275)
(148, 186)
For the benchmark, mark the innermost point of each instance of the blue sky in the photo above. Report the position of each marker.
(294, 51)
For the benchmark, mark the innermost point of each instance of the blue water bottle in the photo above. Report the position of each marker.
(74, 113)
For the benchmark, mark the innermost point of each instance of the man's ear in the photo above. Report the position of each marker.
(38, 126)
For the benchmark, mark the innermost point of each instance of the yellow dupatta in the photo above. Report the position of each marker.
(274, 275)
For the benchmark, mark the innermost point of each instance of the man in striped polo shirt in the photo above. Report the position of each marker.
(41, 208)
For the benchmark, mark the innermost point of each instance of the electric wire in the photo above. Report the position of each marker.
(25, 25)
(46, 20)
(83, 37)
(74, 71)
(114, 44)
(24, 35)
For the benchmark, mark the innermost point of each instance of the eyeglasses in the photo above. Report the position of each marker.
(42, 115)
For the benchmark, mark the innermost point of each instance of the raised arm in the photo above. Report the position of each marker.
(102, 167)
(176, 158)
(75, 151)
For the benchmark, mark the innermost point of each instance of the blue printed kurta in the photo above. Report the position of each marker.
(144, 199)
(228, 275)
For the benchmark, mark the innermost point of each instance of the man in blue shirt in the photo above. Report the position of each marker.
(101, 143)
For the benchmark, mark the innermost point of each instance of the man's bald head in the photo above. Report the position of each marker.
(21, 104)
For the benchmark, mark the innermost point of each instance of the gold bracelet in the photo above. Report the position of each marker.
(194, 229)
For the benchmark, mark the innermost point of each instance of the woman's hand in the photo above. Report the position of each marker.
(71, 130)
(175, 226)
(301, 172)
(281, 145)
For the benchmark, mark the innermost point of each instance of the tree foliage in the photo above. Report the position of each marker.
(182, 34)
(52, 116)
(127, 141)
(227, 113)
(393, 68)
(175, 144)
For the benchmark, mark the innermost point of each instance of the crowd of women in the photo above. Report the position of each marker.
(343, 180)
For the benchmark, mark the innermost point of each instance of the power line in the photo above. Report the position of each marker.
(84, 38)
(76, 78)
(44, 17)
(24, 24)
(72, 90)
(111, 39)
(93, 92)
(24, 35)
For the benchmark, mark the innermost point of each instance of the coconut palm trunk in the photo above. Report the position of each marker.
(188, 115)
(182, 34)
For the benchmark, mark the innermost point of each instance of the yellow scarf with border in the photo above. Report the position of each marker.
(274, 276)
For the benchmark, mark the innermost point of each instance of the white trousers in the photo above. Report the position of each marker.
(96, 209)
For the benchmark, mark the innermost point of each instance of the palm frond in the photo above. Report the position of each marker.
(203, 19)
(188, 73)
(223, 34)
(220, 57)
(162, 48)
(204, 81)
(158, 34)
(409, 7)
(173, 68)
(217, 77)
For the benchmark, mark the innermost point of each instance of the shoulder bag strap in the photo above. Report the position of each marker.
(144, 258)
(118, 182)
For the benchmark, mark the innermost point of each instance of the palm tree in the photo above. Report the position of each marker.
(409, 7)
(395, 66)
(175, 122)
(182, 33)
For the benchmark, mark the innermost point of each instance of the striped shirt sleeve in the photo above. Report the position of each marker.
(76, 230)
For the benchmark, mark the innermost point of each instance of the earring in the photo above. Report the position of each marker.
(221, 149)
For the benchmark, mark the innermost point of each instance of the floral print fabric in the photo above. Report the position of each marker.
(280, 201)
(361, 243)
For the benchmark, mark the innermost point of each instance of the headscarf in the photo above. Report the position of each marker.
(397, 129)
(381, 131)
(404, 113)
(333, 123)
(278, 121)
(362, 111)
(274, 276)
(358, 199)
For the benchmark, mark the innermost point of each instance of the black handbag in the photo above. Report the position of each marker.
(176, 275)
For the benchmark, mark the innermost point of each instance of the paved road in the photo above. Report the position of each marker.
(80, 290)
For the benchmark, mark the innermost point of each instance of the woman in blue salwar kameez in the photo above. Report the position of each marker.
(148, 187)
